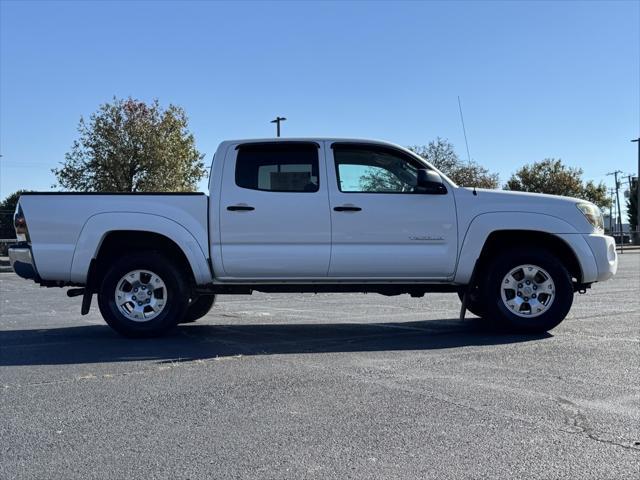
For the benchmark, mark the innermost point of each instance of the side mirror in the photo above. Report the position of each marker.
(430, 182)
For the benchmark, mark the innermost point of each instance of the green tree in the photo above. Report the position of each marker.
(632, 206)
(442, 155)
(7, 208)
(380, 180)
(131, 146)
(553, 177)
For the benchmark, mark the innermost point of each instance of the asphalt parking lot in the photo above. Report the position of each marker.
(321, 386)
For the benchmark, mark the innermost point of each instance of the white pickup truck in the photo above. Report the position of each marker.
(314, 215)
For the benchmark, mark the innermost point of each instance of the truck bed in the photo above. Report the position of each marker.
(59, 221)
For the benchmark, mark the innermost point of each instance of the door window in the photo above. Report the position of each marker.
(374, 170)
(278, 167)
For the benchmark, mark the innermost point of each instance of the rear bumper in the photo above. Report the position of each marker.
(604, 252)
(22, 262)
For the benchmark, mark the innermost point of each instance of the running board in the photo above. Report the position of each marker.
(415, 290)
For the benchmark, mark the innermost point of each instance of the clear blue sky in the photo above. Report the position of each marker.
(536, 79)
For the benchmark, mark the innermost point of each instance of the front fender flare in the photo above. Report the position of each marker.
(484, 224)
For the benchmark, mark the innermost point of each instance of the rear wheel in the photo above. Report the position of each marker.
(143, 295)
(198, 308)
(528, 291)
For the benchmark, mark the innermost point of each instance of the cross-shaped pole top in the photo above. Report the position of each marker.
(277, 121)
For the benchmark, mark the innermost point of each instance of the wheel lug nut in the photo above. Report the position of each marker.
(533, 296)
(139, 304)
(134, 297)
(535, 287)
(135, 289)
(528, 282)
(519, 285)
(526, 298)
(519, 294)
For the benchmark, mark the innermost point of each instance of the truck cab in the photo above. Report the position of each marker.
(323, 210)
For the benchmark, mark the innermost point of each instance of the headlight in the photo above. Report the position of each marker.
(592, 214)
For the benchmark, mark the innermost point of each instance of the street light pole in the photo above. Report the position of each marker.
(637, 140)
(277, 121)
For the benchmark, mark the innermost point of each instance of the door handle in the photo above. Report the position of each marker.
(345, 208)
(240, 208)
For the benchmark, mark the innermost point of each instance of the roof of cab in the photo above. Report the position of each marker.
(310, 139)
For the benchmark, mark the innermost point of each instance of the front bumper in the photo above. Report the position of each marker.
(22, 262)
(604, 252)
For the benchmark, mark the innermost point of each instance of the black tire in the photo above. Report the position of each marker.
(497, 311)
(198, 308)
(176, 301)
(474, 305)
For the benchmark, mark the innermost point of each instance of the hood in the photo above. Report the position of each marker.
(488, 201)
(526, 197)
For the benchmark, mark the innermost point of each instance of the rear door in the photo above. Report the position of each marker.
(383, 226)
(274, 212)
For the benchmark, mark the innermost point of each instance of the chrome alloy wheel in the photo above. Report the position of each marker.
(527, 291)
(141, 295)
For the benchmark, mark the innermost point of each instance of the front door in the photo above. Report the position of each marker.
(383, 226)
(274, 212)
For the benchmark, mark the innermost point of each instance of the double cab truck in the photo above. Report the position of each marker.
(313, 215)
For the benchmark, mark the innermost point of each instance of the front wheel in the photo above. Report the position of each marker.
(528, 291)
(143, 295)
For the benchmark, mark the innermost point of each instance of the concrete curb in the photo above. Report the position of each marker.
(5, 266)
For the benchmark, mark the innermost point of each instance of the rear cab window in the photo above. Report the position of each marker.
(278, 167)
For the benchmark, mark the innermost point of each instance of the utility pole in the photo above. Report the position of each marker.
(277, 121)
(637, 140)
(619, 211)
(611, 192)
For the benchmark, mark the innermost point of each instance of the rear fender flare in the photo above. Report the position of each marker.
(98, 226)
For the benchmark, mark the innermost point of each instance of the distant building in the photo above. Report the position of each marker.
(607, 222)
